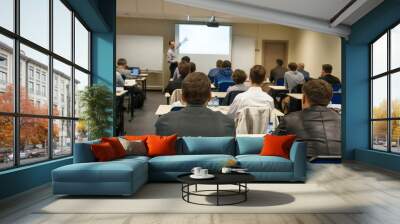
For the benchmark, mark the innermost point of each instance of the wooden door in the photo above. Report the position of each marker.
(273, 50)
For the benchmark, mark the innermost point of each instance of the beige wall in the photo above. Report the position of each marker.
(311, 48)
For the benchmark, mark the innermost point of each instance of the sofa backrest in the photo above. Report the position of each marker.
(207, 145)
(249, 145)
(83, 152)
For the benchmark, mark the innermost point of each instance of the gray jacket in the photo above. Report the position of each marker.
(318, 126)
(195, 121)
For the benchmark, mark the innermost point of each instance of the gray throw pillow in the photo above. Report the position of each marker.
(137, 148)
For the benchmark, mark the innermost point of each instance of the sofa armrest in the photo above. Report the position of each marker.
(83, 152)
(298, 157)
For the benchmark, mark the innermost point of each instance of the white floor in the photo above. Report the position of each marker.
(378, 190)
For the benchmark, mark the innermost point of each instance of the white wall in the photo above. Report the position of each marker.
(243, 53)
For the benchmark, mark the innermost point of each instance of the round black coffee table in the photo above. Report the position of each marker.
(238, 179)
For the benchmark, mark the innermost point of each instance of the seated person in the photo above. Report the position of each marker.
(239, 77)
(192, 67)
(184, 70)
(316, 124)
(123, 69)
(195, 119)
(254, 96)
(214, 71)
(306, 74)
(278, 72)
(293, 78)
(224, 74)
(326, 74)
(176, 73)
(120, 82)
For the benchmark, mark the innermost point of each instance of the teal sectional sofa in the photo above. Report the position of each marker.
(125, 176)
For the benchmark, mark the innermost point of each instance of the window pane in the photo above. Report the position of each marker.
(33, 139)
(6, 142)
(62, 138)
(6, 74)
(379, 55)
(81, 132)
(81, 81)
(395, 138)
(395, 94)
(379, 97)
(62, 29)
(81, 45)
(379, 135)
(62, 89)
(35, 21)
(34, 97)
(395, 47)
(7, 14)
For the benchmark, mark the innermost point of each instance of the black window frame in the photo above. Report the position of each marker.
(388, 74)
(16, 115)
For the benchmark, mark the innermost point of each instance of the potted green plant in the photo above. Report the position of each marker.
(96, 110)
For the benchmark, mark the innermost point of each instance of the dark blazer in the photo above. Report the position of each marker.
(331, 80)
(195, 121)
(173, 85)
(318, 126)
(277, 73)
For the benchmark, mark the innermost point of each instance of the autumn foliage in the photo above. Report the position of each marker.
(33, 131)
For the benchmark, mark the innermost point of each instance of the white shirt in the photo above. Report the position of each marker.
(253, 97)
(171, 55)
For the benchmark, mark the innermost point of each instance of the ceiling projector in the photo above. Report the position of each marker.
(212, 22)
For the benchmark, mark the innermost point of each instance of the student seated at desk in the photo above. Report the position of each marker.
(176, 73)
(224, 74)
(293, 78)
(254, 96)
(195, 119)
(122, 68)
(239, 77)
(316, 124)
(184, 70)
(214, 71)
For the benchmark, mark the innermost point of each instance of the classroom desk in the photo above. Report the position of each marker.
(278, 87)
(219, 94)
(164, 109)
(130, 82)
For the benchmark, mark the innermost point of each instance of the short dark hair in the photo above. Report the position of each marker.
(196, 88)
(226, 64)
(192, 67)
(184, 69)
(279, 62)
(185, 59)
(239, 76)
(257, 74)
(292, 66)
(169, 42)
(219, 63)
(122, 61)
(327, 68)
(318, 92)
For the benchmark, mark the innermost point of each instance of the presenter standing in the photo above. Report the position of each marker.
(171, 55)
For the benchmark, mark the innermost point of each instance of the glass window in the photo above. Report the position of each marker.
(62, 138)
(6, 142)
(34, 21)
(395, 47)
(40, 62)
(81, 131)
(62, 72)
(81, 82)
(395, 95)
(379, 135)
(395, 138)
(7, 14)
(379, 98)
(81, 45)
(62, 29)
(379, 56)
(34, 142)
(6, 74)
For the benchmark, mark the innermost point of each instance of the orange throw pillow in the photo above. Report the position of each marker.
(161, 145)
(277, 145)
(136, 137)
(116, 145)
(103, 152)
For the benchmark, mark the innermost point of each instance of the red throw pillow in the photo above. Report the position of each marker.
(161, 145)
(116, 145)
(136, 137)
(103, 152)
(277, 145)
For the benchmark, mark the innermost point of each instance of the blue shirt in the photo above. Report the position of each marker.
(223, 75)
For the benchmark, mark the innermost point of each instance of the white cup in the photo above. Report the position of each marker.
(203, 172)
(226, 170)
(196, 171)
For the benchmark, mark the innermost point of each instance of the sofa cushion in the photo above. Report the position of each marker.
(257, 163)
(161, 145)
(116, 145)
(103, 152)
(208, 145)
(185, 163)
(112, 171)
(249, 145)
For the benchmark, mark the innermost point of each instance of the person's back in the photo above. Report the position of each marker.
(305, 73)
(317, 125)
(195, 119)
(292, 77)
(224, 74)
(239, 77)
(214, 71)
(254, 96)
(184, 69)
(326, 75)
(278, 72)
